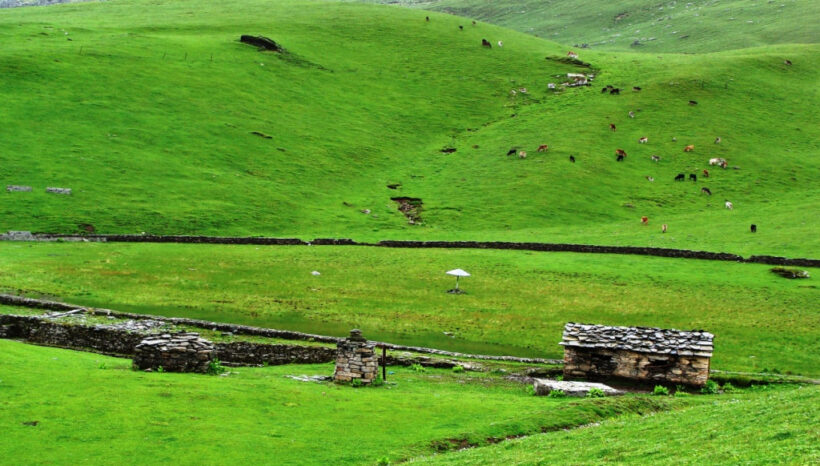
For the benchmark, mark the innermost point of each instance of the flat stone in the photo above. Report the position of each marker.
(544, 386)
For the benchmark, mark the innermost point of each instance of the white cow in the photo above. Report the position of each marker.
(729, 205)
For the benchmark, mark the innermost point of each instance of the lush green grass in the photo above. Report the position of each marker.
(517, 302)
(669, 26)
(94, 409)
(761, 427)
(147, 115)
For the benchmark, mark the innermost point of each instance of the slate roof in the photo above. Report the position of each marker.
(639, 339)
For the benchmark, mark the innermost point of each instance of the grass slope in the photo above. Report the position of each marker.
(94, 409)
(763, 427)
(147, 115)
(668, 26)
(516, 303)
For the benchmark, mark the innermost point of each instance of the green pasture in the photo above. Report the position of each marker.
(764, 426)
(146, 111)
(669, 26)
(516, 302)
(94, 409)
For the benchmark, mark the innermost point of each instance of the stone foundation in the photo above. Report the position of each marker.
(356, 359)
(598, 364)
(174, 352)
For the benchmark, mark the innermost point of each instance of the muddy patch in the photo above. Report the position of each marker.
(411, 208)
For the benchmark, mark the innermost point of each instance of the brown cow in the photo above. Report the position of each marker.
(663, 228)
(620, 152)
(612, 126)
(689, 148)
(543, 148)
(643, 140)
(645, 220)
(705, 173)
(522, 154)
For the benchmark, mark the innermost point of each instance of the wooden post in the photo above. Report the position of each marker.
(384, 363)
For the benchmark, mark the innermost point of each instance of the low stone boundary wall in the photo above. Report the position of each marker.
(117, 342)
(503, 245)
(12, 300)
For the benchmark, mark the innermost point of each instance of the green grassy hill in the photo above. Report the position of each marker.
(668, 26)
(147, 114)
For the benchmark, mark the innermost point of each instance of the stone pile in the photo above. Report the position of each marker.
(65, 191)
(637, 353)
(16, 188)
(356, 359)
(174, 352)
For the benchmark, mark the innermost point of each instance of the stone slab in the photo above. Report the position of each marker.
(544, 386)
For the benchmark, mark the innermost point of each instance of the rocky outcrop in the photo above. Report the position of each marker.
(543, 387)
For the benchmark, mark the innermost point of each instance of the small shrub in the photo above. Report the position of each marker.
(711, 388)
(458, 369)
(557, 394)
(384, 461)
(102, 365)
(160, 369)
(378, 381)
(356, 383)
(660, 390)
(559, 378)
(728, 387)
(680, 391)
(595, 393)
(215, 367)
(417, 368)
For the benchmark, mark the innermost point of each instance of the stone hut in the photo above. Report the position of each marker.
(356, 359)
(637, 353)
(174, 352)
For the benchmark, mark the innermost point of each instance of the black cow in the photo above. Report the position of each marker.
(636, 88)
(754, 228)
(706, 191)
(572, 158)
(512, 151)
(619, 158)
(615, 91)
(427, 18)
(693, 177)
(460, 27)
(680, 177)
(692, 102)
(486, 43)
(603, 90)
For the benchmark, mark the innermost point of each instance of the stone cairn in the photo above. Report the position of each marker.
(356, 359)
(174, 352)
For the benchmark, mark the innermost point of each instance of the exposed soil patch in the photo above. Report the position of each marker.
(411, 208)
(264, 43)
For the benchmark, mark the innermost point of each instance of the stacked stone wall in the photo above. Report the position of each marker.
(174, 352)
(600, 364)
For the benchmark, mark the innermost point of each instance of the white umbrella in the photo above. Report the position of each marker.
(458, 273)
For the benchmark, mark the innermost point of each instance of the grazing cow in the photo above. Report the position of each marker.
(615, 91)
(486, 43)
(724, 164)
(705, 190)
(788, 62)
(689, 148)
(645, 220)
(680, 177)
(716, 161)
(692, 102)
(636, 88)
(550, 85)
(693, 177)
(643, 140)
(603, 90)
(572, 158)
(543, 148)
(522, 154)
(612, 127)
(522, 90)
(674, 139)
(620, 158)
(500, 44)
(427, 18)
(729, 205)
(663, 228)
(656, 158)
(705, 173)
(572, 54)
(631, 114)
(717, 140)
(473, 22)
(460, 27)
(754, 228)
(650, 178)
(512, 151)
(620, 152)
